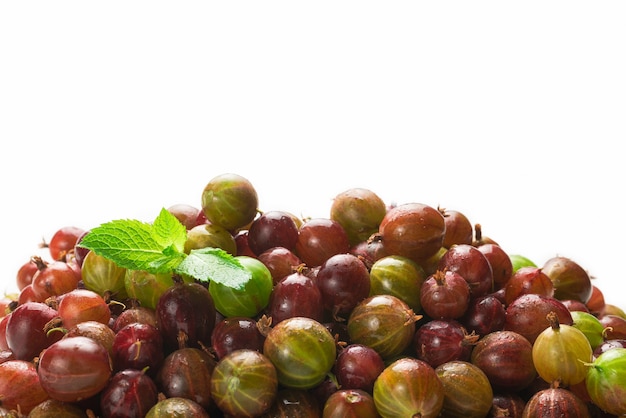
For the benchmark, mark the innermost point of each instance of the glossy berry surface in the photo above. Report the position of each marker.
(185, 311)
(408, 387)
(272, 229)
(74, 369)
(130, 392)
(230, 201)
(319, 239)
(244, 383)
(63, 241)
(413, 230)
(384, 323)
(357, 366)
(25, 332)
(344, 281)
(359, 211)
(302, 350)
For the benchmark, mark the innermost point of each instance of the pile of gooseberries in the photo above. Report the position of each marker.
(377, 310)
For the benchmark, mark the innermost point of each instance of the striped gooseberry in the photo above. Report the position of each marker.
(408, 387)
(605, 381)
(384, 323)
(560, 353)
(303, 351)
(244, 383)
(467, 390)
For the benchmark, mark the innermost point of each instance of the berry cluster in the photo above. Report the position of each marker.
(375, 311)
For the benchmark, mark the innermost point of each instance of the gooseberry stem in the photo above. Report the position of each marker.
(553, 319)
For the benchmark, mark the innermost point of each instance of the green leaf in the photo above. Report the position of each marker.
(137, 245)
(159, 248)
(214, 264)
(168, 231)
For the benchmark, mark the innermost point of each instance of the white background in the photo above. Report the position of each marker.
(511, 112)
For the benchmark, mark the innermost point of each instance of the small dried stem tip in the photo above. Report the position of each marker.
(553, 319)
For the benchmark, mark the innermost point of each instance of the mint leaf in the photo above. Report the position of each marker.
(168, 231)
(159, 248)
(137, 245)
(214, 264)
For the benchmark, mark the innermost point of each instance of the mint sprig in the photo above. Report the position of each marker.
(215, 264)
(158, 247)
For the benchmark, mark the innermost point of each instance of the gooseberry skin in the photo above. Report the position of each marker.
(138, 346)
(185, 308)
(350, 403)
(294, 403)
(3, 330)
(357, 366)
(506, 358)
(343, 281)
(129, 393)
(383, 322)
(135, 314)
(484, 314)
(560, 353)
(25, 274)
(526, 315)
(439, 341)
(177, 407)
(229, 200)
(590, 325)
(413, 230)
(507, 404)
(74, 369)
(185, 213)
(370, 250)
(528, 280)
(63, 241)
(95, 330)
(295, 295)
(408, 387)
(614, 326)
(467, 390)
(303, 351)
(54, 279)
(555, 402)
(398, 276)
(20, 386)
(147, 288)
(459, 229)
(570, 280)
(103, 276)
(249, 301)
(596, 302)
(472, 265)
(54, 408)
(25, 330)
(186, 373)
(608, 345)
(210, 236)
(445, 295)
(575, 305)
(80, 305)
(359, 211)
(518, 261)
(234, 333)
(272, 229)
(605, 381)
(280, 261)
(319, 239)
(500, 262)
(244, 383)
